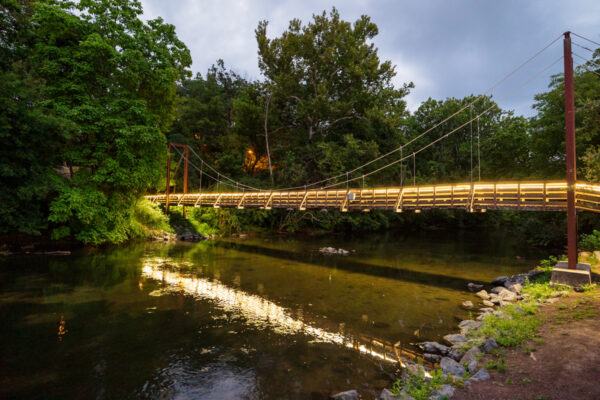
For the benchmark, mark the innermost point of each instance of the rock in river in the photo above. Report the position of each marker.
(347, 395)
(432, 358)
(467, 304)
(482, 294)
(500, 280)
(434, 348)
(474, 287)
(455, 338)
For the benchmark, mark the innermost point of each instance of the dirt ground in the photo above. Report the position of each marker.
(561, 363)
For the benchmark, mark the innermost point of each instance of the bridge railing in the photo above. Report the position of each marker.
(480, 196)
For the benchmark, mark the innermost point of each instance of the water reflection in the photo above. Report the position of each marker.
(257, 311)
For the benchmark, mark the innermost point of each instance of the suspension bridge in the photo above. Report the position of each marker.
(569, 195)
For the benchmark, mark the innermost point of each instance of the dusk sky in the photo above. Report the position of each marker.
(447, 48)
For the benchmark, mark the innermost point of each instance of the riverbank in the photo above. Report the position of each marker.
(535, 343)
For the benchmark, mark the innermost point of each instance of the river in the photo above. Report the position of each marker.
(256, 318)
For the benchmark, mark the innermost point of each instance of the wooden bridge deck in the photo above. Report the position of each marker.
(525, 196)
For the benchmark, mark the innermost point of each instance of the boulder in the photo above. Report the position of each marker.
(347, 395)
(482, 294)
(470, 355)
(552, 301)
(500, 280)
(516, 288)
(456, 353)
(481, 375)
(488, 303)
(434, 348)
(451, 367)
(467, 325)
(432, 358)
(455, 338)
(534, 274)
(472, 367)
(467, 304)
(474, 287)
(507, 295)
(489, 346)
(387, 394)
(497, 289)
(519, 310)
(443, 393)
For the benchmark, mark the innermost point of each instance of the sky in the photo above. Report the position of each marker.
(446, 48)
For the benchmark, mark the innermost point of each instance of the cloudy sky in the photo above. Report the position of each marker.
(447, 48)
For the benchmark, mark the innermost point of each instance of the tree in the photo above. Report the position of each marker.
(326, 80)
(105, 84)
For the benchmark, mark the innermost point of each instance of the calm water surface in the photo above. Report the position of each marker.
(266, 318)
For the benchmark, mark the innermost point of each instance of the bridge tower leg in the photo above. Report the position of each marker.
(168, 178)
(185, 176)
(570, 152)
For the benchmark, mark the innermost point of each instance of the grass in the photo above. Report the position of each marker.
(511, 329)
(418, 386)
(499, 365)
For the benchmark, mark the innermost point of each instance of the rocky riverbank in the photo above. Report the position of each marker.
(504, 311)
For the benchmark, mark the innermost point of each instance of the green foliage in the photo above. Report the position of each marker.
(590, 242)
(418, 386)
(499, 365)
(511, 329)
(90, 89)
(151, 216)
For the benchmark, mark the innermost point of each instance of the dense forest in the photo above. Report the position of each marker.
(91, 94)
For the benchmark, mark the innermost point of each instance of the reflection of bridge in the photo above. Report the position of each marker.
(525, 196)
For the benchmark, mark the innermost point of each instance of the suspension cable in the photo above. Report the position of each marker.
(459, 127)
(498, 83)
(583, 37)
(478, 153)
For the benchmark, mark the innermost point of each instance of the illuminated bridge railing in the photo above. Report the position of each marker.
(525, 196)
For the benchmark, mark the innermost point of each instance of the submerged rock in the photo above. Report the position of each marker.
(347, 395)
(451, 367)
(467, 304)
(333, 251)
(474, 287)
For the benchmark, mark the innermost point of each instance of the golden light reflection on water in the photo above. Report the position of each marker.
(257, 311)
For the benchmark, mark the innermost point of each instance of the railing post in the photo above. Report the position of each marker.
(570, 153)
